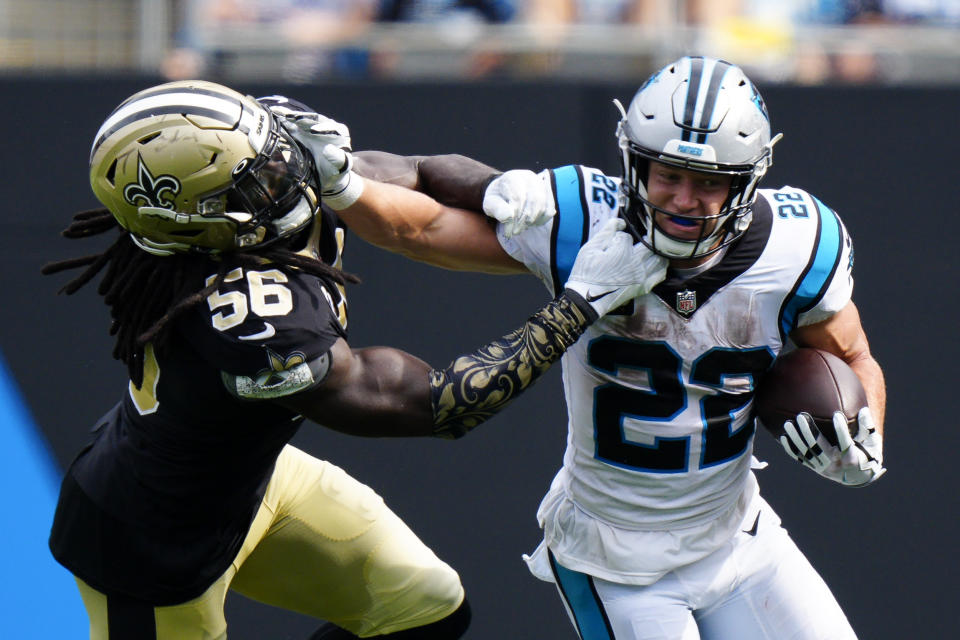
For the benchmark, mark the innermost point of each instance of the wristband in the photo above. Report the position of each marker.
(346, 196)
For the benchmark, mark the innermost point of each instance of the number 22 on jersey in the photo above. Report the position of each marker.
(666, 398)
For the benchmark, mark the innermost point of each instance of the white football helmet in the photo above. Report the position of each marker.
(700, 114)
(193, 166)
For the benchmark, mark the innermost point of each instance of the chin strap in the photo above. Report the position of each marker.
(476, 386)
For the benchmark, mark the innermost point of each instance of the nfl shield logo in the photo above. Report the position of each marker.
(686, 301)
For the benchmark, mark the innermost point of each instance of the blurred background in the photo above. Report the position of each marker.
(867, 93)
(887, 42)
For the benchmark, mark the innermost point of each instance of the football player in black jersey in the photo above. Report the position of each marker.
(229, 310)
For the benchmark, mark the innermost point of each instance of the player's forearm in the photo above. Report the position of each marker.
(389, 217)
(476, 386)
(871, 377)
(455, 180)
(416, 226)
(451, 179)
(842, 335)
(385, 392)
(388, 167)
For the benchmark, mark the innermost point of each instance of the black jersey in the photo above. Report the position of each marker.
(157, 506)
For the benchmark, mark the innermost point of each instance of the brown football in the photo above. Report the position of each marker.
(812, 381)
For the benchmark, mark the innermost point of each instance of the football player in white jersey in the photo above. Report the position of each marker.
(654, 527)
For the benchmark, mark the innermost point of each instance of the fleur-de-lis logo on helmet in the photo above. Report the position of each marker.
(150, 191)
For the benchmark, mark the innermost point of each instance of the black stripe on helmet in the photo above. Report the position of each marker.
(223, 94)
(719, 70)
(159, 111)
(693, 88)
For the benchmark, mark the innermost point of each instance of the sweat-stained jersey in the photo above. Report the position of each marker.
(657, 470)
(157, 506)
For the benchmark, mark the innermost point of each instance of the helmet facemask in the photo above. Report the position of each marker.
(640, 213)
(271, 196)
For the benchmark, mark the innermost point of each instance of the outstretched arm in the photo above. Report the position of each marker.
(448, 230)
(455, 236)
(381, 391)
(518, 199)
(385, 392)
(451, 179)
(419, 227)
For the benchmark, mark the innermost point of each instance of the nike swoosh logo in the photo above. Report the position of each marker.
(753, 530)
(268, 332)
(591, 298)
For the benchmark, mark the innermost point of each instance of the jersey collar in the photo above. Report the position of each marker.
(686, 295)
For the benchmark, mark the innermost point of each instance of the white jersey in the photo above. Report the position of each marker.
(657, 470)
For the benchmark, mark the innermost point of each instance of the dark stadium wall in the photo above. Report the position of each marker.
(883, 158)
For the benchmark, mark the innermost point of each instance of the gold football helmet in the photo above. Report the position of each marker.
(195, 166)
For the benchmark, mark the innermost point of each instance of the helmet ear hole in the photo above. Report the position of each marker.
(112, 173)
(148, 139)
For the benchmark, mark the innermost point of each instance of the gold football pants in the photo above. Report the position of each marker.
(321, 544)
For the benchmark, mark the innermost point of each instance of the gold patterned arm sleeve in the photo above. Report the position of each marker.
(476, 386)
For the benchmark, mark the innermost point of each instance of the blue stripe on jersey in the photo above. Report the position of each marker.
(570, 225)
(819, 272)
(32, 479)
(581, 596)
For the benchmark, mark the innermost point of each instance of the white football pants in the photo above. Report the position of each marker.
(758, 586)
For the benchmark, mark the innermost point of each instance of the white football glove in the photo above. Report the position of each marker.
(610, 269)
(519, 199)
(323, 130)
(854, 462)
(328, 142)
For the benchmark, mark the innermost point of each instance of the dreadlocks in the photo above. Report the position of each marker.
(145, 292)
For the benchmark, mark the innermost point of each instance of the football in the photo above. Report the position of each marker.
(812, 381)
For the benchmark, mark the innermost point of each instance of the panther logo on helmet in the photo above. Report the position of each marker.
(759, 101)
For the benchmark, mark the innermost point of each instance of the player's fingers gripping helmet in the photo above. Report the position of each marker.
(700, 114)
(195, 166)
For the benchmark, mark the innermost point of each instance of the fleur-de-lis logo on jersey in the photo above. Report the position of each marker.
(150, 191)
(278, 367)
